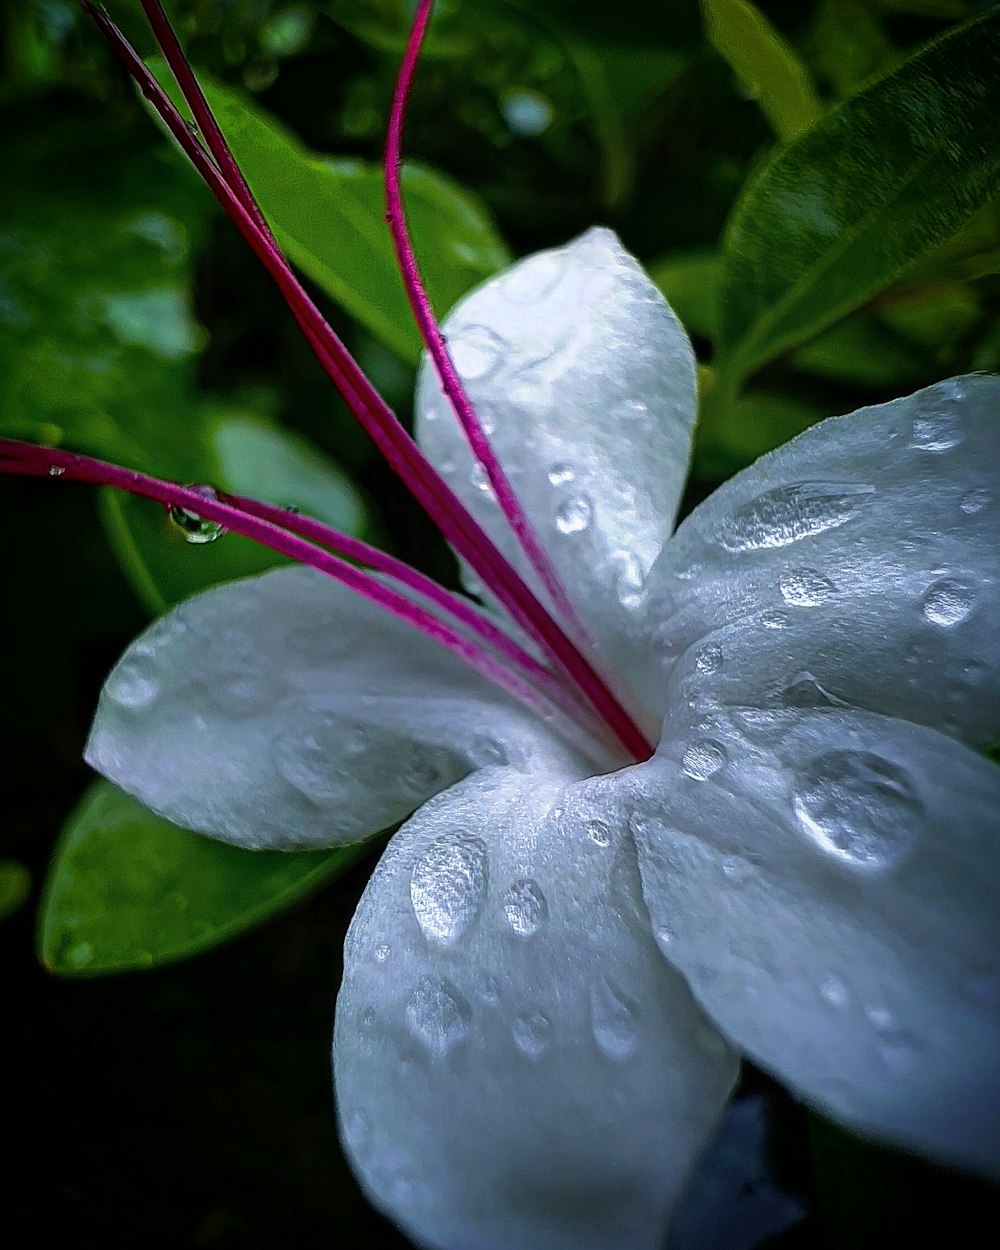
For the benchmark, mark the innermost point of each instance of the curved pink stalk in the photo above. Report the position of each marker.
(29, 460)
(457, 526)
(430, 332)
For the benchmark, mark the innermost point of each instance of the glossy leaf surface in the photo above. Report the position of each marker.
(127, 890)
(871, 188)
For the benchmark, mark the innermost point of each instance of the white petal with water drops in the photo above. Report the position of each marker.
(841, 954)
(872, 542)
(543, 1082)
(286, 711)
(586, 381)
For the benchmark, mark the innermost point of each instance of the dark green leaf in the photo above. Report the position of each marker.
(767, 67)
(732, 435)
(848, 44)
(690, 282)
(97, 336)
(868, 190)
(329, 216)
(127, 890)
(15, 886)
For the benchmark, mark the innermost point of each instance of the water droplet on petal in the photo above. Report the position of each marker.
(525, 907)
(629, 579)
(478, 477)
(974, 501)
(948, 602)
(196, 529)
(382, 953)
(772, 619)
(805, 588)
(938, 426)
(133, 683)
(437, 1015)
(475, 351)
(307, 756)
(615, 1020)
(879, 1017)
(448, 886)
(574, 515)
(787, 514)
(834, 991)
(531, 281)
(709, 659)
(859, 808)
(532, 1033)
(703, 758)
(561, 475)
(56, 470)
(599, 833)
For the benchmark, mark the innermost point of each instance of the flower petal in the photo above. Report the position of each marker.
(516, 1068)
(859, 564)
(584, 381)
(287, 711)
(829, 884)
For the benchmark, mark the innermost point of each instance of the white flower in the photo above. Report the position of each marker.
(523, 1054)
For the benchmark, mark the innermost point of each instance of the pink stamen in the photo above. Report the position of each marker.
(28, 460)
(457, 526)
(430, 332)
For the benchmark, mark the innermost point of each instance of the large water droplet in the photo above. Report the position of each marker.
(532, 1033)
(437, 1015)
(948, 602)
(134, 683)
(938, 425)
(703, 758)
(599, 833)
(859, 808)
(974, 501)
(805, 588)
(574, 515)
(475, 351)
(196, 529)
(307, 758)
(614, 1018)
(789, 513)
(448, 886)
(525, 907)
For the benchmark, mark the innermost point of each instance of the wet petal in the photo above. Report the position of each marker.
(584, 380)
(516, 1068)
(286, 711)
(829, 884)
(859, 565)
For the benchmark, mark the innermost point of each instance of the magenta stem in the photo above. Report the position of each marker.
(457, 526)
(430, 332)
(26, 459)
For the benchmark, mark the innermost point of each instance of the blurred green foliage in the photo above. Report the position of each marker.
(813, 185)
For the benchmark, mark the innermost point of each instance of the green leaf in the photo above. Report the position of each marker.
(328, 215)
(15, 886)
(847, 44)
(690, 282)
(769, 70)
(732, 435)
(249, 457)
(868, 190)
(127, 890)
(864, 351)
(98, 340)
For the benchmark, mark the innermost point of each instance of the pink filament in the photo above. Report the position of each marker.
(430, 332)
(223, 177)
(26, 459)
